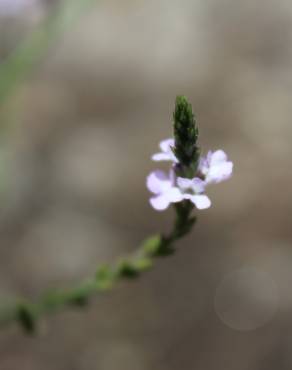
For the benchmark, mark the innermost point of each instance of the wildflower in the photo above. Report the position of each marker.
(193, 189)
(215, 167)
(168, 189)
(212, 169)
(190, 174)
(166, 153)
(162, 185)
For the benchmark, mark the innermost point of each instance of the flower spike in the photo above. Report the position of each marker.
(190, 174)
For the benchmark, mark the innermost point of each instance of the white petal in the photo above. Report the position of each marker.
(162, 157)
(184, 183)
(203, 165)
(160, 203)
(165, 145)
(200, 201)
(218, 157)
(172, 176)
(209, 156)
(174, 195)
(220, 172)
(158, 182)
(198, 185)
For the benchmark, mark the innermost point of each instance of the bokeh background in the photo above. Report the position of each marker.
(76, 140)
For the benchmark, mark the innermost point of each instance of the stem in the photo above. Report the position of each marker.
(27, 313)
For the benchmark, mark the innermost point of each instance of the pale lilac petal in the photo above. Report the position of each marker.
(161, 157)
(166, 151)
(217, 157)
(173, 157)
(172, 176)
(160, 203)
(204, 165)
(215, 167)
(220, 172)
(166, 145)
(184, 183)
(209, 157)
(203, 162)
(174, 195)
(158, 182)
(212, 159)
(195, 184)
(200, 201)
(198, 185)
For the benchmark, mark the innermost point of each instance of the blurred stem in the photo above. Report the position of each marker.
(21, 62)
(19, 65)
(27, 313)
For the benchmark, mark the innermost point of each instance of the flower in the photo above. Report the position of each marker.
(162, 185)
(166, 153)
(193, 190)
(215, 167)
(168, 189)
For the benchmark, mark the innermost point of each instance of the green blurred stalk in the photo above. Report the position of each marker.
(21, 62)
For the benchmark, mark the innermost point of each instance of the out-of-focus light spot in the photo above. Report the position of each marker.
(246, 299)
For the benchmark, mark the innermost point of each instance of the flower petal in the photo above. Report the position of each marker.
(161, 157)
(209, 157)
(174, 195)
(172, 176)
(204, 165)
(158, 182)
(184, 183)
(220, 172)
(200, 201)
(216, 167)
(198, 185)
(166, 153)
(160, 203)
(217, 157)
(165, 145)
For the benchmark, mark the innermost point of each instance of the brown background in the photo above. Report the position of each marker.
(74, 159)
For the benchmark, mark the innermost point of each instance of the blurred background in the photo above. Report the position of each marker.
(76, 138)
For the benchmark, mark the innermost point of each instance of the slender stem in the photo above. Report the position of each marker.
(27, 313)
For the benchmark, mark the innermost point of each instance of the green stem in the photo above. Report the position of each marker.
(27, 313)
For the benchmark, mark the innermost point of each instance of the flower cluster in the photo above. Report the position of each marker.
(169, 188)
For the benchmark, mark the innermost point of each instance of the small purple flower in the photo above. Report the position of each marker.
(215, 167)
(167, 191)
(193, 190)
(162, 185)
(166, 153)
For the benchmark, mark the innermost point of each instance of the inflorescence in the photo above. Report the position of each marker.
(190, 174)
